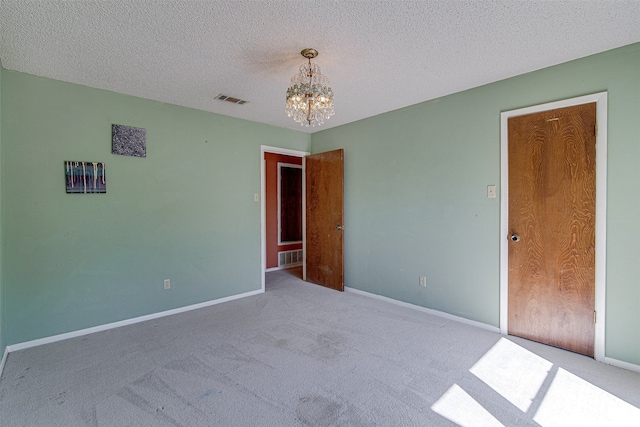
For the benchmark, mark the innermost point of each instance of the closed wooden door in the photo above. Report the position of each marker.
(324, 175)
(552, 227)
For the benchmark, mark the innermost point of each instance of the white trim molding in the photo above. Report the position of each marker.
(284, 267)
(426, 310)
(601, 210)
(263, 203)
(304, 218)
(620, 364)
(4, 360)
(100, 328)
(280, 166)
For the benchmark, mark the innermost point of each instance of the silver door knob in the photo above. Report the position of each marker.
(515, 237)
(339, 227)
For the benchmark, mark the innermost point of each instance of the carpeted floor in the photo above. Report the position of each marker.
(300, 354)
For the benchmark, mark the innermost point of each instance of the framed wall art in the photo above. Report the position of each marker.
(85, 177)
(128, 141)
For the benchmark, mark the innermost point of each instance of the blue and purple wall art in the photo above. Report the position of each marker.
(85, 177)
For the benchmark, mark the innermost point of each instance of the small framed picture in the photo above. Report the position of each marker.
(128, 141)
(85, 177)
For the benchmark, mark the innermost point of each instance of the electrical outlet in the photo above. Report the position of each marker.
(167, 284)
(423, 281)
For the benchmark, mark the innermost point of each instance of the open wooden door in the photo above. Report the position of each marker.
(324, 174)
(552, 184)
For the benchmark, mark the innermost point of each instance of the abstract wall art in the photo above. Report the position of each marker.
(129, 141)
(85, 177)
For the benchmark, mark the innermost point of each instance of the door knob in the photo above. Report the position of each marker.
(339, 227)
(515, 237)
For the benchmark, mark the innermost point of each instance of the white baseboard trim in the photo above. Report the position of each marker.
(620, 364)
(426, 310)
(34, 343)
(608, 360)
(4, 359)
(282, 267)
(81, 332)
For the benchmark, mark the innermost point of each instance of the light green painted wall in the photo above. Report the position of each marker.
(415, 193)
(185, 212)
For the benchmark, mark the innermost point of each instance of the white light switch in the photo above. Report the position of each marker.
(491, 191)
(256, 197)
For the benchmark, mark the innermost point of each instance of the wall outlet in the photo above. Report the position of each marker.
(167, 284)
(423, 281)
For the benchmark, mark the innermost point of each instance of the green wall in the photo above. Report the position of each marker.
(415, 193)
(185, 212)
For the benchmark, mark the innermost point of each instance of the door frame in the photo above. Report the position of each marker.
(600, 99)
(279, 186)
(263, 202)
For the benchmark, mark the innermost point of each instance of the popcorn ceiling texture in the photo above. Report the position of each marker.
(379, 56)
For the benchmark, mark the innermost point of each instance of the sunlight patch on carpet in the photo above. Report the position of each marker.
(458, 406)
(512, 371)
(571, 400)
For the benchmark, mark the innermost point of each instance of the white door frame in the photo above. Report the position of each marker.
(601, 209)
(263, 204)
(280, 166)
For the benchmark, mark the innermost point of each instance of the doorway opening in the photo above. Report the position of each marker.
(284, 246)
(283, 205)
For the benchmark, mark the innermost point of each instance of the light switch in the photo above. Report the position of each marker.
(491, 191)
(256, 197)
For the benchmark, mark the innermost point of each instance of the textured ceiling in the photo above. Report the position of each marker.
(379, 55)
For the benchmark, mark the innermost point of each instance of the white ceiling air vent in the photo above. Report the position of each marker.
(231, 99)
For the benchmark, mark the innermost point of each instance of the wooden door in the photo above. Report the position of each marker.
(324, 174)
(552, 227)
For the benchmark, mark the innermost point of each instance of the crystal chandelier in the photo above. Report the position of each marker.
(309, 98)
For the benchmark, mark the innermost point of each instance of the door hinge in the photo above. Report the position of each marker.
(595, 130)
(594, 317)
